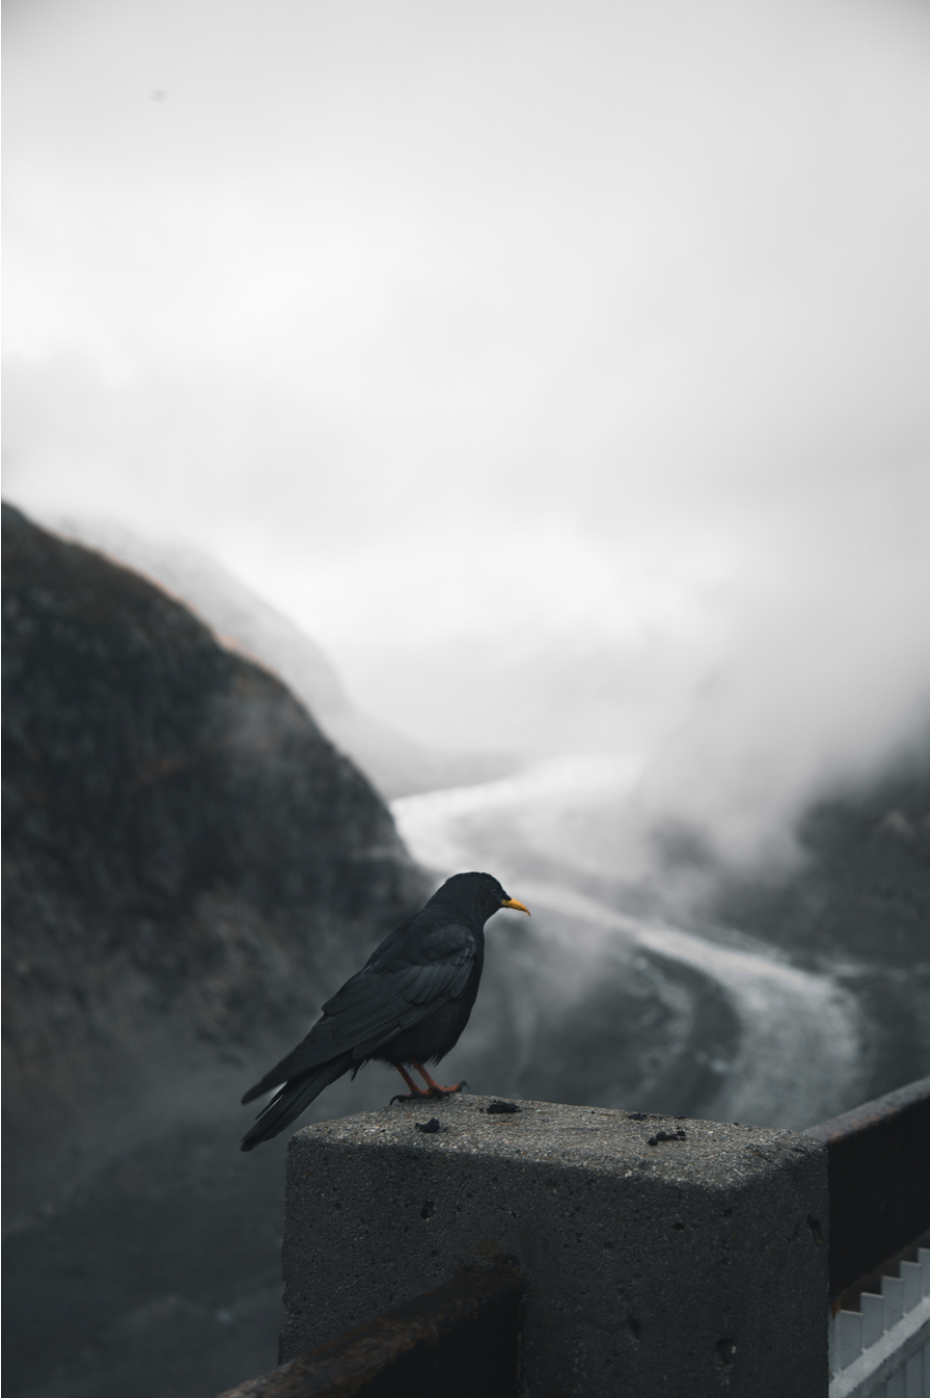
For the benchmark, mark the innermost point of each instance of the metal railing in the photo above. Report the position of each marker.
(878, 1162)
(878, 1159)
(461, 1340)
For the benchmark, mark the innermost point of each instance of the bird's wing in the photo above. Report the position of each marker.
(402, 988)
(385, 997)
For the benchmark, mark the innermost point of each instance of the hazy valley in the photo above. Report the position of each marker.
(192, 866)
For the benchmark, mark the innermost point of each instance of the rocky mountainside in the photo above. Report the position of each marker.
(190, 869)
(241, 620)
(188, 861)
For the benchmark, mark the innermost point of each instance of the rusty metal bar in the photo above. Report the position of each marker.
(460, 1340)
(878, 1158)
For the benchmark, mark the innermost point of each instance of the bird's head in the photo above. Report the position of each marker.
(476, 896)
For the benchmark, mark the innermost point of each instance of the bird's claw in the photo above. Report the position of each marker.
(421, 1096)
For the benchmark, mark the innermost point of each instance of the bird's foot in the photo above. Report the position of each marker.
(433, 1086)
(417, 1094)
(420, 1094)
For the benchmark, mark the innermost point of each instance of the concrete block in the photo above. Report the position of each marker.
(661, 1256)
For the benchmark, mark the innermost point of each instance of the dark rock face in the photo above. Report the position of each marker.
(187, 859)
(190, 869)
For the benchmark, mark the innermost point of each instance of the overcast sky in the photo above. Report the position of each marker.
(462, 328)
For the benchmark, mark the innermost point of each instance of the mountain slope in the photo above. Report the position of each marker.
(187, 859)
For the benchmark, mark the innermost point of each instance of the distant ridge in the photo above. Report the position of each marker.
(243, 621)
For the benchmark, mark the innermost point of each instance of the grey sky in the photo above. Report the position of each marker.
(490, 322)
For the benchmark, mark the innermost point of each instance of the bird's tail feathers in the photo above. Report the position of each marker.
(293, 1098)
(314, 1052)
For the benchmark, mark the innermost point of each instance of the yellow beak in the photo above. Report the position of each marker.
(512, 903)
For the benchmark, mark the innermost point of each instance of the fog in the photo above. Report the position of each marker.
(541, 390)
(561, 370)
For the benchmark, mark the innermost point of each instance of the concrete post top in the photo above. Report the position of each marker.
(709, 1154)
(659, 1255)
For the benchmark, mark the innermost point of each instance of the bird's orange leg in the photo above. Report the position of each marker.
(416, 1094)
(414, 1090)
(421, 1093)
(434, 1087)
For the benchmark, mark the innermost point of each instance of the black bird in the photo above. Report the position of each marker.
(408, 1004)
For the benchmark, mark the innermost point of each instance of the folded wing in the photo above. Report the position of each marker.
(379, 1002)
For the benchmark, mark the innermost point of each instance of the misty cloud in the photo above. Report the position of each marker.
(542, 363)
